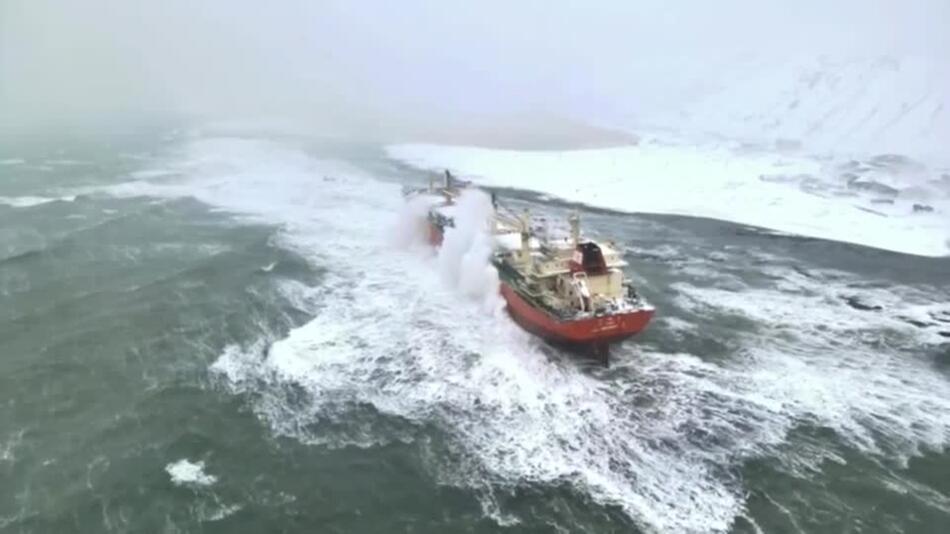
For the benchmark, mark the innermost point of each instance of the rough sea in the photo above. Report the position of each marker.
(202, 333)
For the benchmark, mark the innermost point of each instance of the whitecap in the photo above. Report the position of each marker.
(30, 201)
(187, 473)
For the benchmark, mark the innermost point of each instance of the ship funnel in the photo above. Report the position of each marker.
(575, 221)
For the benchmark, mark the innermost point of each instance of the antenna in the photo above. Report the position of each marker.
(575, 221)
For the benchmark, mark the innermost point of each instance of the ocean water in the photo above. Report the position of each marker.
(211, 333)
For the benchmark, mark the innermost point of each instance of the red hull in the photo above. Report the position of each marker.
(435, 235)
(595, 331)
(592, 331)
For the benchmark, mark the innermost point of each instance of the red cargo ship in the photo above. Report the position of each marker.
(571, 291)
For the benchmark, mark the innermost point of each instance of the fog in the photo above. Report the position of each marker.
(386, 67)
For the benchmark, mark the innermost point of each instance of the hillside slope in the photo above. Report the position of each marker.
(866, 106)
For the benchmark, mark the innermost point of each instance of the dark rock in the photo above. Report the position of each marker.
(894, 161)
(812, 185)
(869, 210)
(850, 171)
(918, 208)
(873, 187)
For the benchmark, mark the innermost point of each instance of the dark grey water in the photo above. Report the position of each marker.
(212, 334)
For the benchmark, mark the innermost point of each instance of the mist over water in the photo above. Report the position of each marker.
(218, 314)
(418, 69)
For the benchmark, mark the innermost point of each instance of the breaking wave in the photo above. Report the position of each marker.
(407, 334)
(464, 255)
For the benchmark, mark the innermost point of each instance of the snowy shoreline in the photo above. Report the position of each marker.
(785, 193)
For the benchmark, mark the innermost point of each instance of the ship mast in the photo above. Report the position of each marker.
(575, 222)
(526, 238)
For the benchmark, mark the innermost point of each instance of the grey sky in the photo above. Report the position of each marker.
(403, 60)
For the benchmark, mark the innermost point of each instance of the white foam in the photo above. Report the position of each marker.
(818, 359)
(712, 181)
(661, 441)
(28, 201)
(8, 448)
(389, 332)
(12, 161)
(66, 162)
(184, 472)
(219, 513)
(146, 174)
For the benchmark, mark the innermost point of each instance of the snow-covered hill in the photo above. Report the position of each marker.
(884, 202)
(872, 106)
(848, 150)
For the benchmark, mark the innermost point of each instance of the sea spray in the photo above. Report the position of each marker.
(464, 255)
(411, 227)
(466, 250)
(478, 278)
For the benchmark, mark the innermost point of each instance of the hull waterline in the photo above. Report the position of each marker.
(585, 332)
